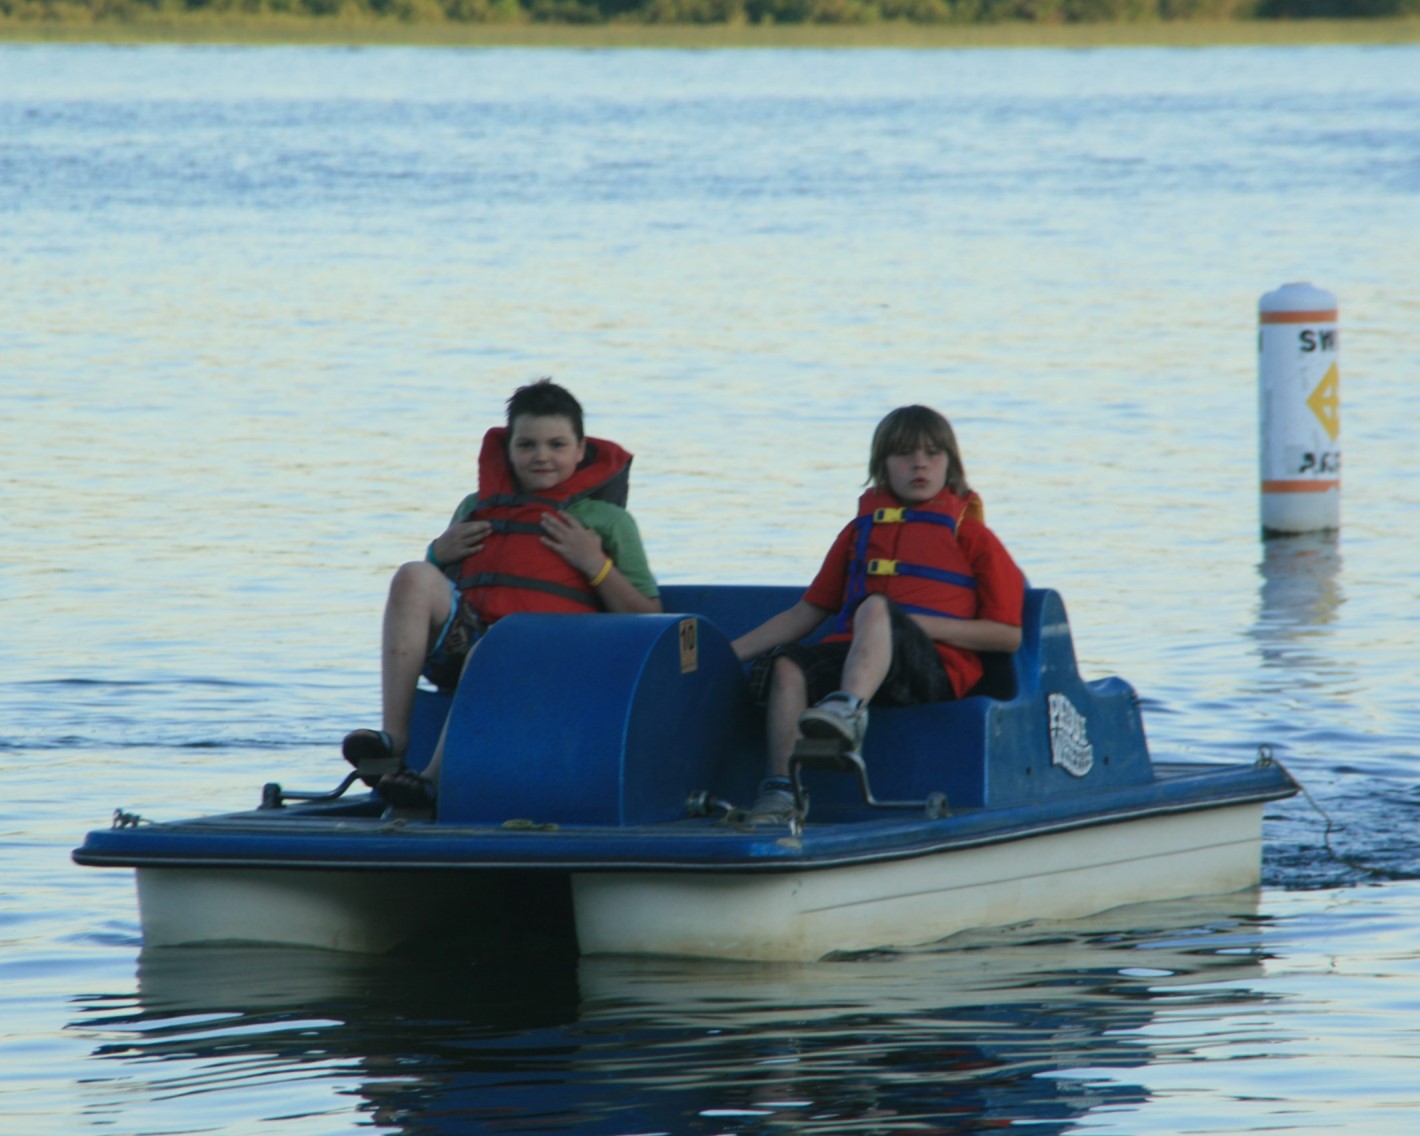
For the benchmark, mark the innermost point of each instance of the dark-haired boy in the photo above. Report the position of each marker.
(546, 532)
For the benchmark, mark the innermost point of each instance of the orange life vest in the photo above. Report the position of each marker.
(910, 553)
(514, 571)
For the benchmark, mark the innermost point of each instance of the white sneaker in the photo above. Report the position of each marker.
(839, 717)
(772, 806)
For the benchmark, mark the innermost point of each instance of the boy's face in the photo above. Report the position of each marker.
(918, 474)
(544, 451)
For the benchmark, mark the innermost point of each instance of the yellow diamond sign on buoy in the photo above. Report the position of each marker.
(1299, 410)
(1325, 402)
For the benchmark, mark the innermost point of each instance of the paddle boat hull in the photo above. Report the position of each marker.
(593, 807)
(806, 915)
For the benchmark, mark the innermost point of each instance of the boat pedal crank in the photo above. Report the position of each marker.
(274, 797)
(702, 803)
(829, 755)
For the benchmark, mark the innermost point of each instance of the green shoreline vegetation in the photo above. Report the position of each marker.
(715, 23)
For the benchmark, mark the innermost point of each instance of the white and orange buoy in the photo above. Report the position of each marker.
(1299, 410)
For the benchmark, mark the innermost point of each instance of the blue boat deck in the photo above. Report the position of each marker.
(576, 743)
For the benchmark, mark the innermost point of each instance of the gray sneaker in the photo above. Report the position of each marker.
(773, 806)
(839, 717)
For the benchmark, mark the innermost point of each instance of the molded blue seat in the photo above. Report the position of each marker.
(596, 719)
(616, 719)
(1053, 733)
(996, 746)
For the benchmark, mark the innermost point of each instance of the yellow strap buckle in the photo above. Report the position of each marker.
(888, 516)
(882, 567)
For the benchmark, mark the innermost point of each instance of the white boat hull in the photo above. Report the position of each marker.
(367, 912)
(769, 915)
(800, 916)
(782, 916)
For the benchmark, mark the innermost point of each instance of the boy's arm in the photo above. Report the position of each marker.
(621, 537)
(458, 540)
(1000, 588)
(618, 594)
(788, 626)
(971, 634)
(585, 547)
(793, 624)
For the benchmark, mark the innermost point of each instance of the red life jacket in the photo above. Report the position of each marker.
(514, 571)
(910, 553)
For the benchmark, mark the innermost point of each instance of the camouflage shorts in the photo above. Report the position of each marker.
(443, 666)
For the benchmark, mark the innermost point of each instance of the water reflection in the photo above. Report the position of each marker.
(1354, 823)
(1301, 596)
(1041, 1025)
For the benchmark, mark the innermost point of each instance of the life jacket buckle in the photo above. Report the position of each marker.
(888, 516)
(883, 567)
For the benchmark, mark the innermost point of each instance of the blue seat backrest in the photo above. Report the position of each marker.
(998, 745)
(733, 608)
(737, 608)
(614, 719)
(1056, 733)
(596, 720)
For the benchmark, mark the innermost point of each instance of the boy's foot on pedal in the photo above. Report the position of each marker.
(407, 790)
(372, 753)
(840, 717)
(775, 803)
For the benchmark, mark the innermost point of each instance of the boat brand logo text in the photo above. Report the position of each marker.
(1069, 743)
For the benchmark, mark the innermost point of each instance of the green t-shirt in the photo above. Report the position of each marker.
(620, 538)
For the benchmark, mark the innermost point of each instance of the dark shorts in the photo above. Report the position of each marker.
(443, 666)
(915, 674)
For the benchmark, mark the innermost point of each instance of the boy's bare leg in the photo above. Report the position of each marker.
(870, 656)
(419, 603)
(431, 771)
(788, 698)
(842, 716)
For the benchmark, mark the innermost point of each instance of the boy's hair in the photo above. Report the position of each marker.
(543, 399)
(904, 430)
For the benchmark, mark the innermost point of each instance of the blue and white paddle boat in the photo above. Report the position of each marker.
(591, 773)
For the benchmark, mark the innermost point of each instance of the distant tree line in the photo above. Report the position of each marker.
(723, 11)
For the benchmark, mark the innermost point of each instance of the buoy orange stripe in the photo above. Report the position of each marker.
(1300, 486)
(1298, 317)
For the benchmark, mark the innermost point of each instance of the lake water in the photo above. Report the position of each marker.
(260, 305)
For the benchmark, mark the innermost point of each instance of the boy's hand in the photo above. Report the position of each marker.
(460, 539)
(574, 542)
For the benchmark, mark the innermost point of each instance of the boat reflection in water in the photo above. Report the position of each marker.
(1355, 823)
(1040, 1024)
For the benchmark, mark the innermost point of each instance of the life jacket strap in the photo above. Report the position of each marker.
(861, 566)
(524, 528)
(505, 580)
(902, 515)
(882, 567)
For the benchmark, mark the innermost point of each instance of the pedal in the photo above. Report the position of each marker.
(832, 754)
(275, 797)
(376, 767)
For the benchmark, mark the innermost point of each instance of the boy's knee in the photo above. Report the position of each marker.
(417, 577)
(787, 674)
(876, 606)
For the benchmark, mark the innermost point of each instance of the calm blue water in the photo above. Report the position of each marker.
(260, 305)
